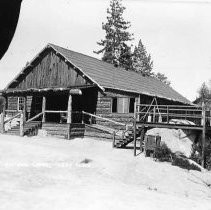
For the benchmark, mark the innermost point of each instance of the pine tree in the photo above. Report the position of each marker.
(115, 45)
(204, 92)
(162, 78)
(142, 62)
(125, 58)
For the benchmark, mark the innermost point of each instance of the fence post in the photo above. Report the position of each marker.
(21, 125)
(203, 134)
(114, 145)
(2, 120)
(142, 138)
(134, 137)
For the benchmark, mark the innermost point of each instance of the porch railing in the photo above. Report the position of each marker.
(165, 113)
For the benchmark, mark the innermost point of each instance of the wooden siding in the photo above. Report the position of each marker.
(50, 71)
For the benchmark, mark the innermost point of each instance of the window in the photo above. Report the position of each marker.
(123, 105)
(131, 105)
(20, 103)
(114, 105)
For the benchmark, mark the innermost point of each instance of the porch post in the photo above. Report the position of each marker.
(69, 109)
(203, 134)
(43, 109)
(24, 109)
(22, 124)
(2, 119)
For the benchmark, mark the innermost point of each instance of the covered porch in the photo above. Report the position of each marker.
(55, 107)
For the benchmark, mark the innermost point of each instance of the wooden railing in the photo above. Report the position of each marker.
(102, 118)
(3, 121)
(164, 113)
(10, 119)
(93, 118)
(35, 117)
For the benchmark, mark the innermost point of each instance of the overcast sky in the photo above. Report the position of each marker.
(176, 33)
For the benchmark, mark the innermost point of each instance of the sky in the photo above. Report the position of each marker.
(177, 34)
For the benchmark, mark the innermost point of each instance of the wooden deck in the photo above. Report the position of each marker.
(170, 126)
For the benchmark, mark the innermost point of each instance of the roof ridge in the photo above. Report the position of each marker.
(119, 68)
(121, 79)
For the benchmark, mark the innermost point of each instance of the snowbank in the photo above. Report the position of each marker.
(176, 140)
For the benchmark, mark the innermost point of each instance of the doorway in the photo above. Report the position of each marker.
(56, 102)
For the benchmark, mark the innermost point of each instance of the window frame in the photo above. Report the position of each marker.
(21, 101)
(125, 105)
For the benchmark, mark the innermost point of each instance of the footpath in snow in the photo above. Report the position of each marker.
(48, 173)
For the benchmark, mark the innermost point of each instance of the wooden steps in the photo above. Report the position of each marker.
(128, 138)
(30, 129)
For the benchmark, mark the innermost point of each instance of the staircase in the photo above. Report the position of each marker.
(30, 129)
(122, 138)
(127, 138)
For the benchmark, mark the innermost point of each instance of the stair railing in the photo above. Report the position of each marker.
(114, 134)
(35, 117)
(22, 123)
(10, 119)
(3, 122)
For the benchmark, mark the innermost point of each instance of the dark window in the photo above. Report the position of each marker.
(131, 106)
(114, 105)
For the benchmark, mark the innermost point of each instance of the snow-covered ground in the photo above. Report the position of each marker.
(47, 173)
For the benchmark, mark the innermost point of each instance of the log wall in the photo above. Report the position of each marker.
(104, 108)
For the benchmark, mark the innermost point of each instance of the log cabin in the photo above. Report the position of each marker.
(60, 84)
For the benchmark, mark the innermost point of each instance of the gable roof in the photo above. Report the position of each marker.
(105, 75)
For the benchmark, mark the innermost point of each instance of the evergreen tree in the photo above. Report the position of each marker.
(162, 78)
(142, 62)
(204, 92)
(115, 45)
(125, 58)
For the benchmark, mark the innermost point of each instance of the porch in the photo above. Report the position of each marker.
(58, 107)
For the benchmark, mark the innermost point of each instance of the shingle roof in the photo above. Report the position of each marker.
(105, 75)
(108, 76)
